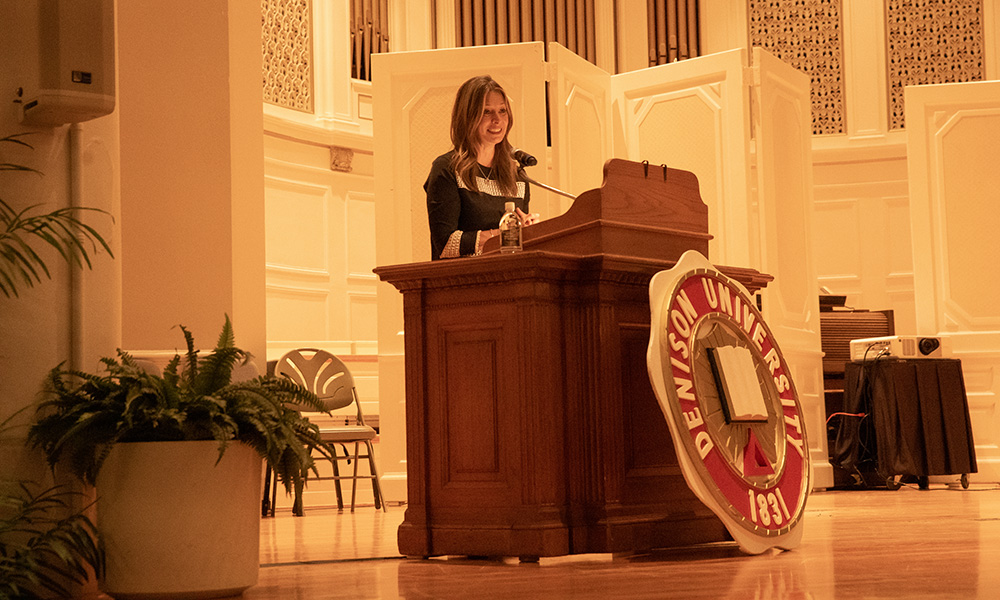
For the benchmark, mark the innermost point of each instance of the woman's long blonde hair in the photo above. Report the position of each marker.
(465, 116)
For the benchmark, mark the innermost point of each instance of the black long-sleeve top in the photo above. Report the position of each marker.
(456, 213)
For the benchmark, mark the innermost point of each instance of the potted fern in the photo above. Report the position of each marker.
(176, 459)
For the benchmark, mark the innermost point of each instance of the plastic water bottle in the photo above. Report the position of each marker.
(510, 230)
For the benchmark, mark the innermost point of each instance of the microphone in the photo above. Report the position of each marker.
(524, 159)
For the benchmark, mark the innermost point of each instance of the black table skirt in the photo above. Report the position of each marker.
(917, 419)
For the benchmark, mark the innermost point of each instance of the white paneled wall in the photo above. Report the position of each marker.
(861, 232)
(955, 186)
(320, 249)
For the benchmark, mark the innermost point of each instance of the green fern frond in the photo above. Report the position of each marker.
(289, 467)
(190, 370)
(259, 445)
(289, 392)
(125, 360)
(261, 426)
(250, 395)
(227, 339)
(216, 369)
(170, 372)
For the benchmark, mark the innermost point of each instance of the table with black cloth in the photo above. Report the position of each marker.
(917, 419)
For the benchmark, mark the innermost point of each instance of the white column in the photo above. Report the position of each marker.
(191, 172)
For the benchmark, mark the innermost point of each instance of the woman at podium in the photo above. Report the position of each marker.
(468, 186)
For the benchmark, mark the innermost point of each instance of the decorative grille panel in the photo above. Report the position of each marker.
(286, 38)
(931, 41)
(807, 34)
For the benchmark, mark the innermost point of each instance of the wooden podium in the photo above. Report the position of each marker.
(532, 428)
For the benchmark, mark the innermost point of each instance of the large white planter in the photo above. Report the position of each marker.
(177, 525)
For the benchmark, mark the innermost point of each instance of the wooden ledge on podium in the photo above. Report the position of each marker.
(532, 429)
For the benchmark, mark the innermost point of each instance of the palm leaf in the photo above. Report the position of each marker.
(13, 138)
(41, 550)
(62, 229)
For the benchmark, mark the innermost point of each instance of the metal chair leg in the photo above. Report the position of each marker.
(274, 493)
(354, 482)
(298, 508)
(376, 485)
(336, 479)
(265, 503)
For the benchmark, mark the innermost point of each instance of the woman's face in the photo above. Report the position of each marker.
(494, 121)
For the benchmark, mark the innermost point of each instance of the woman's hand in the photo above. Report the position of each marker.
(528, 219)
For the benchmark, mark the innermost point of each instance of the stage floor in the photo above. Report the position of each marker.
(939, 543)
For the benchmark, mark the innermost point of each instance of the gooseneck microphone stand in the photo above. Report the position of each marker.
(520, 170)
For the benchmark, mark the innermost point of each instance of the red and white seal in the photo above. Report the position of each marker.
(728, 398)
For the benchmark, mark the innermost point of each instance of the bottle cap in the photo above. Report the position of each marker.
(509, 207)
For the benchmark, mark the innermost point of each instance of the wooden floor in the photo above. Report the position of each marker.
(911, 543)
